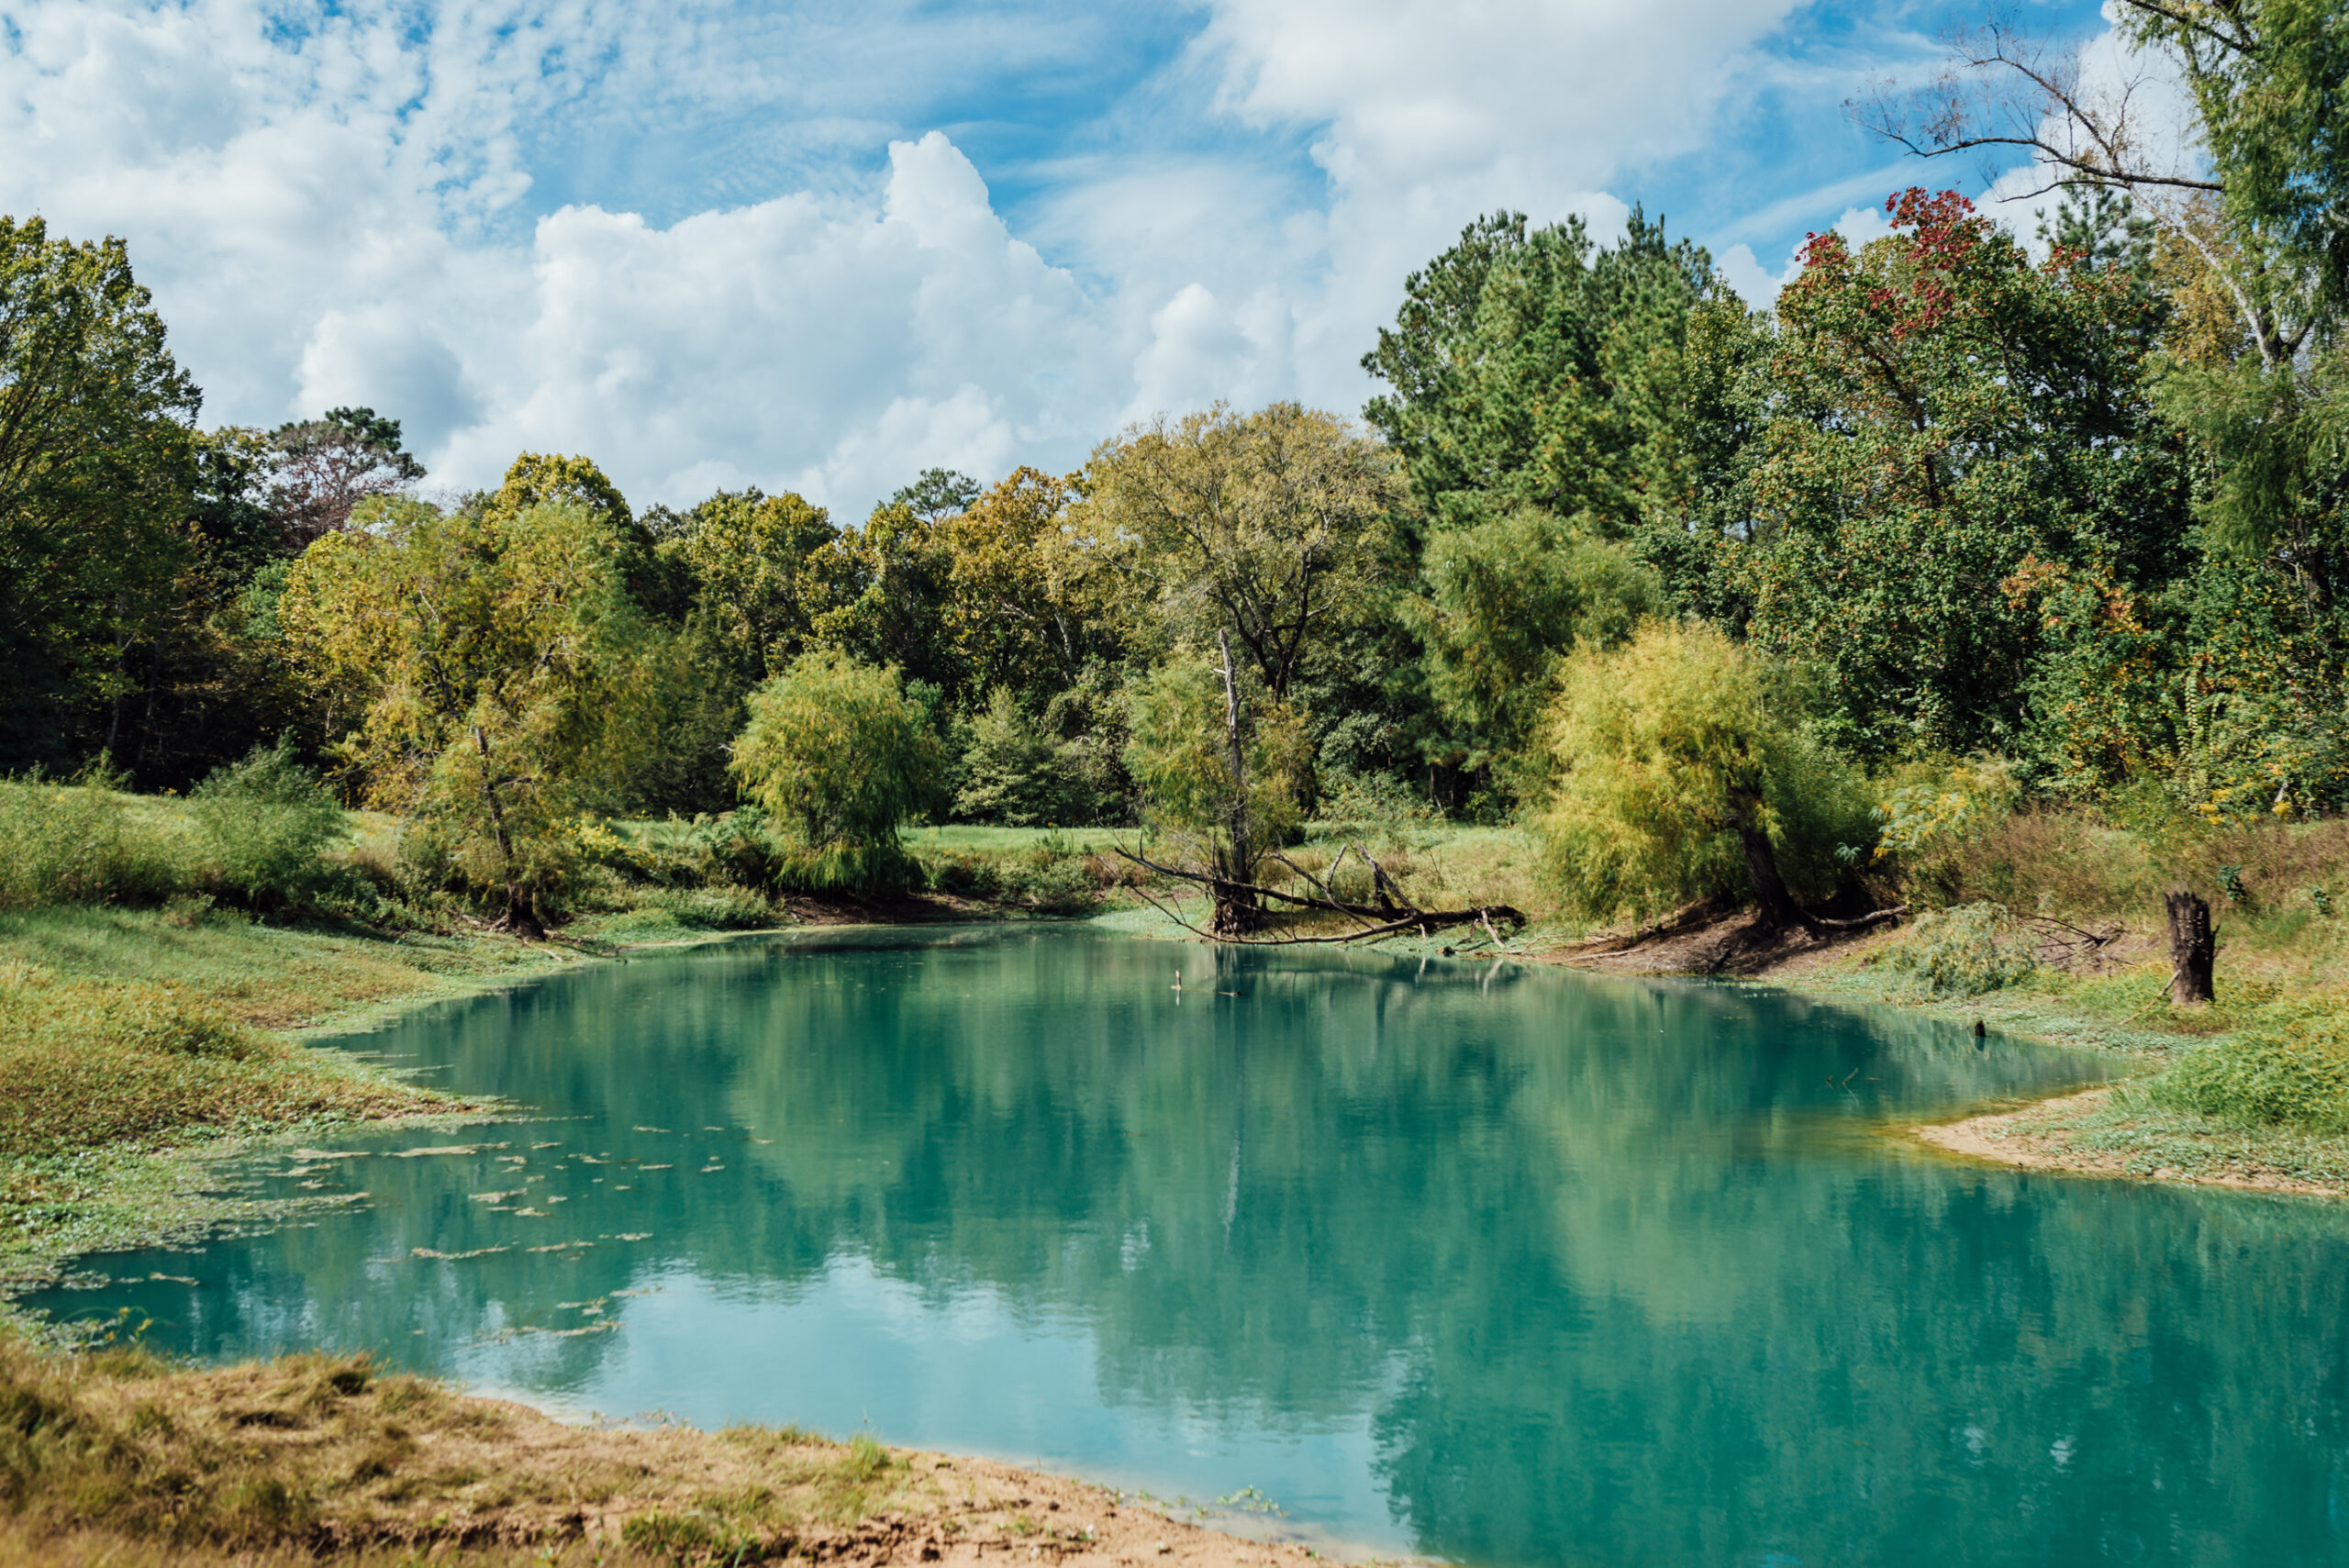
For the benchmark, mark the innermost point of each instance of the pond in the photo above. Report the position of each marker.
(1510, 1267)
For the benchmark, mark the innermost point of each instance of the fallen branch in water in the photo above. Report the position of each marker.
(1425, 921)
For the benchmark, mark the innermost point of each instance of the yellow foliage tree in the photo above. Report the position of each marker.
(485, 657)
(1683, 769)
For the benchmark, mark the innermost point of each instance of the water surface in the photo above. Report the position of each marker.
(1515, 1269)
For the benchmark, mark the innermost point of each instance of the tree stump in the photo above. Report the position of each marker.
(2193, 950)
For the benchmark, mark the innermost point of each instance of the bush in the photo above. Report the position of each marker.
(264, 823)
(1049, 879)
(1935, 815)
(2294, 1070)
(1964, 951)
(838, 753)
(1015, 773)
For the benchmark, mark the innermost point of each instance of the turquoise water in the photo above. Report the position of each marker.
(1514, 1269)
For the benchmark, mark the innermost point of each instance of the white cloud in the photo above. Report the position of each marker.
(325, 226)
(1430, 112)
(407, 203)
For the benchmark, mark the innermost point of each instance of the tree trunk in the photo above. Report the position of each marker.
(518, 917)
(1771, 900)
(2193, 950)
(1235, 911)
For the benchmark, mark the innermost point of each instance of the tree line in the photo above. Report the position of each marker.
(1720, 600)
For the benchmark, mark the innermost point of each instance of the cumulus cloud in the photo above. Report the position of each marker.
(1429, 111)
(710, 244)
(330, 222)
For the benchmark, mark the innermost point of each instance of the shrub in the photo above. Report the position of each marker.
(1964, 951)
(2295, 1069)
(264, 823)
(1934, 815)
(1049, 879)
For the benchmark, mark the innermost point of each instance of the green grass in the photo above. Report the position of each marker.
(964, 840)
(2227, 1091)
(134, 1041)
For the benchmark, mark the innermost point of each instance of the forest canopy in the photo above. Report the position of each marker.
(2065, 506)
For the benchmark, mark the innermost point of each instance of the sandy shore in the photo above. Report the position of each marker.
(2041, 1137)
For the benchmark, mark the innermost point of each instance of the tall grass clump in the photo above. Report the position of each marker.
(84, 842)
(1964, 951)
(2293, 1070)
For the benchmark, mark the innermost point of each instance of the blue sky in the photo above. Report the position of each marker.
(823, 246)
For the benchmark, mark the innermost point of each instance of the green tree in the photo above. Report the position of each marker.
(886, 588)
(98, 470)
(481, 667)
(1270, 527)
(1016, 772)
(939, 494)
(1682, 770)
(1504, 600)
(1945, 413)
(841, 755)
(747, 556)
(1562, 410)
(2245, 646)
(1527, 368)
(1226, 775)
(1027, 607)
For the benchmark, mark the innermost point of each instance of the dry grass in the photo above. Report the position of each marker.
(313, 1454)
(116, 1458)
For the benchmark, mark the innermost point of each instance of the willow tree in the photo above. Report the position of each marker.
(1683, 771)
(482, 660)
(841, 755)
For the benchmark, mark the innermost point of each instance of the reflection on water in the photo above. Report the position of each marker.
(1514, 1269)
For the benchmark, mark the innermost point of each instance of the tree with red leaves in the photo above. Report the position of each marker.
(1942, 411)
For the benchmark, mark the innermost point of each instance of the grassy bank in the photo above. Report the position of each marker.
(135, 1045)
